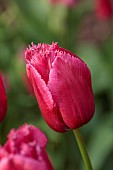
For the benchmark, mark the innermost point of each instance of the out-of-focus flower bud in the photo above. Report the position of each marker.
(104, 9)
(25, 149)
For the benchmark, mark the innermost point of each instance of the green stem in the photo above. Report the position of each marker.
(83, 150)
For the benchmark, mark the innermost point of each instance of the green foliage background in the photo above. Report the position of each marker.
(79, 30)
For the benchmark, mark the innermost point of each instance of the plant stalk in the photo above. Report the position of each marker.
(83, 150)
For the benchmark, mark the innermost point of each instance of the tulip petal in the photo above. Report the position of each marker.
(17, 162)
(3, 100)
(24, 133)
(45, 100)
(25, 149)
(70, 85)
(104, 9)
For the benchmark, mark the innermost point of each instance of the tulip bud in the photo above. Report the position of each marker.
(3, 100)
(62, 85)
(25, 149)
(104, 9)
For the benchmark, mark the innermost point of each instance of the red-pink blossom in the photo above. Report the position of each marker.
(25, 150)
(68, 3)
(104, 8)
(3, 100)
(62, 85)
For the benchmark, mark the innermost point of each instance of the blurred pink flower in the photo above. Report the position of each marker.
(104, 9)
(69, 3)
(62, 85)
(25, 150)
(3, 100)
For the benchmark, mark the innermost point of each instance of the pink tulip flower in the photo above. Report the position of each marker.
(25, 150)
(3, 100)
(104, 9)
(62, 85)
